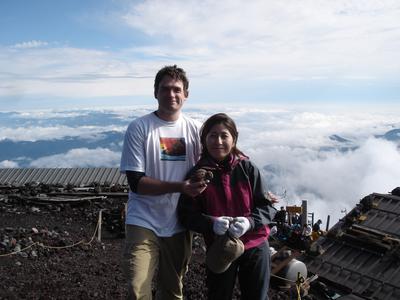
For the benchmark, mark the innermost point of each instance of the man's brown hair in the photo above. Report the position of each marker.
(175, 73)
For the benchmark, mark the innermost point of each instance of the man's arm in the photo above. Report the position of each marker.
(141, 184)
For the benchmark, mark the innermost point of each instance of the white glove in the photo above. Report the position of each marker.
(239, 227)
(221, 224)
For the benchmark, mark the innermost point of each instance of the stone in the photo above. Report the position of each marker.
(35, 209)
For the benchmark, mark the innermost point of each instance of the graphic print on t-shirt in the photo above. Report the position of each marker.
(173, 149)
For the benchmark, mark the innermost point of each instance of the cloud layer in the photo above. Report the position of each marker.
(334, 180)
(80, 157)
(332, 158)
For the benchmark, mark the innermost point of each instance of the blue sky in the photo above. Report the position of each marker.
(60, 54)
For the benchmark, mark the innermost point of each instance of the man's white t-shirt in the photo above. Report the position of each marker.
(165, 151)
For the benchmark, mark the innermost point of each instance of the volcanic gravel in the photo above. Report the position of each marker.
(48, 268)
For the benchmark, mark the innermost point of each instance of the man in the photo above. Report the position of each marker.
(159, 149)
(280, 219)
(296, 219)
(317, 226)
(306, 236)
(316, 230)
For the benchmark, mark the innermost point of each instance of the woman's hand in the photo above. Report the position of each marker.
(272, 197)
(239, 226)
(221, 224)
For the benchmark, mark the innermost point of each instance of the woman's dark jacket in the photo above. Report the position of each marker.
(236, 190)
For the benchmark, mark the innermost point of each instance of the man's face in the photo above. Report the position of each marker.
(170, 95)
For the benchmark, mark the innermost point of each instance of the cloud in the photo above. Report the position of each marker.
(35, 133)
(8, 164)
(70, 72)
(336, 181)
(306, 129)
(255, 42)
(305, 39)
(81, 157)
(30, 44)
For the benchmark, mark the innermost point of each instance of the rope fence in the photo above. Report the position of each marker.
(300, 280)
(96, 230)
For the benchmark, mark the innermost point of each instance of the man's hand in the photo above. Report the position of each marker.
(193, 189)
(221, 224)
(197, 182)
(239, 227)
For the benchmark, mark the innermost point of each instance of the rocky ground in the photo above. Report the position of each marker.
(48, 267)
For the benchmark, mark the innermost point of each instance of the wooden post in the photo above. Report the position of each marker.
(304, 213)
(327, 222)
(312, 218)
(99, 225)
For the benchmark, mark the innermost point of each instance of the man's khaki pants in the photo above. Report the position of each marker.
(144, 252)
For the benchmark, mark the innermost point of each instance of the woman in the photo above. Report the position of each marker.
(234, 203)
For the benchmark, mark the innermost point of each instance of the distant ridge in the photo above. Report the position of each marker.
(338, 138)
(391, 135)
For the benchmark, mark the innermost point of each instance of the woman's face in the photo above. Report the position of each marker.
(219, 142)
